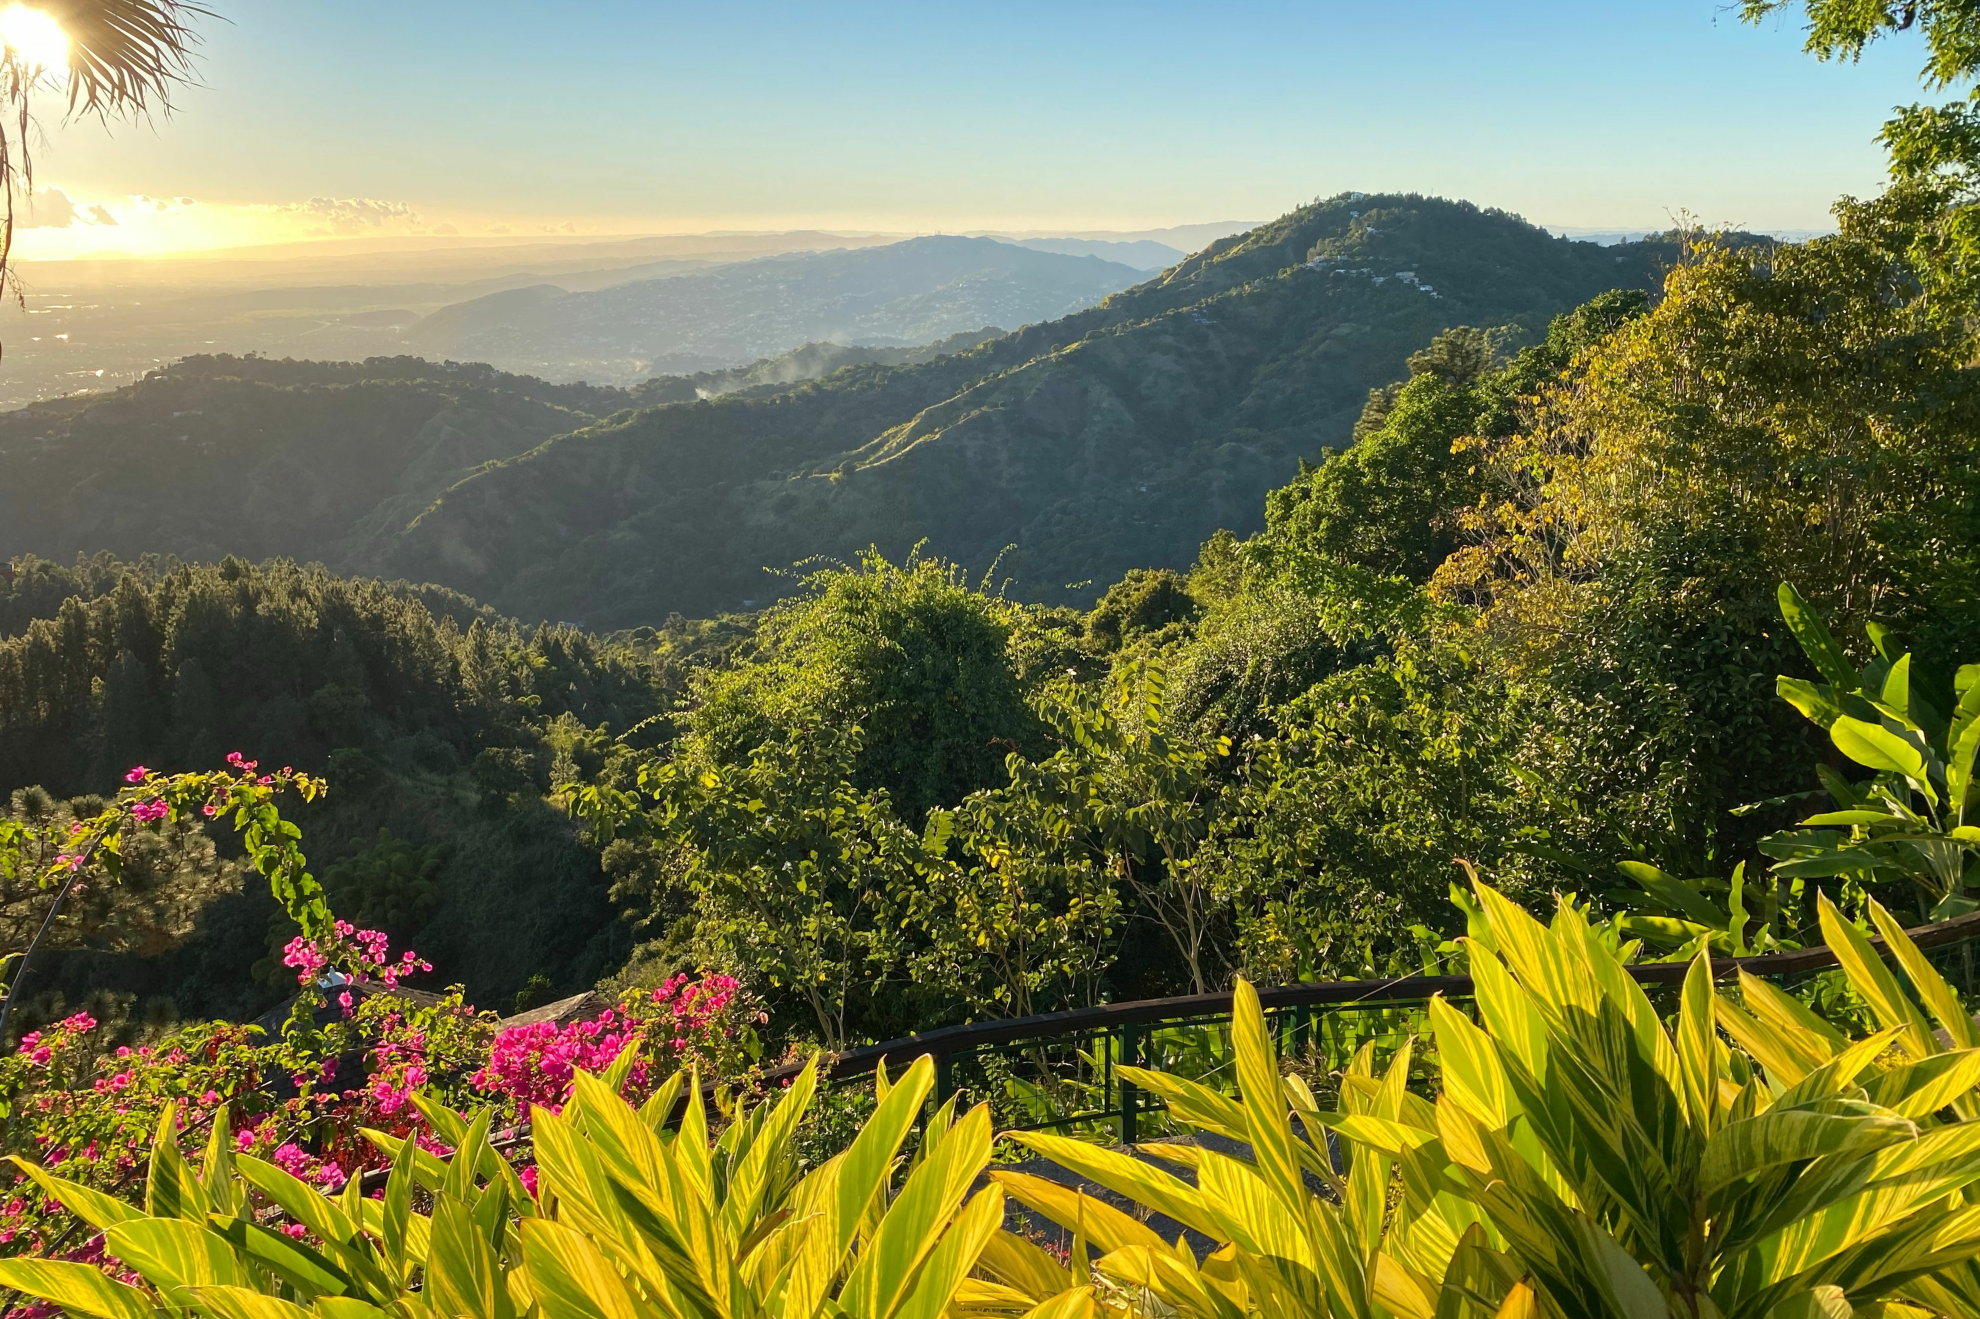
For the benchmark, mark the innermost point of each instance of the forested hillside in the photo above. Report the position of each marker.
(1527, 618)
(1118, 437)
(441, 727)
(317, 461)
(229, 455)
(1531, 621)
(1121, 436)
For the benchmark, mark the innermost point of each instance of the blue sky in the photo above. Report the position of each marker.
(616, 116)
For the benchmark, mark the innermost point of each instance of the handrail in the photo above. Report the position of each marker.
(947, 1040)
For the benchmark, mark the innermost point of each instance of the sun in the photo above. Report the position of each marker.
(34, 40)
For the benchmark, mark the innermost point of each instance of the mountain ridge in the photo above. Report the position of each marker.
(898, 295)
(1119, 436)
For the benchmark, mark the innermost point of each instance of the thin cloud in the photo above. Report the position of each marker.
(52, 208)
(343, 216)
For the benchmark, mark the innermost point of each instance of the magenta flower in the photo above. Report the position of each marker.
(137, 774)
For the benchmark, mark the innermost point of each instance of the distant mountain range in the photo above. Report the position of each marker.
(900, 294)
(1142, 254)
(1120, 435)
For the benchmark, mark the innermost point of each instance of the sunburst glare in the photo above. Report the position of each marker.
(33, 39)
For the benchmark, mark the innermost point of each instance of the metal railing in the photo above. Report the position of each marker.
(1061, 1069)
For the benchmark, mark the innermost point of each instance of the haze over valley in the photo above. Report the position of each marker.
(92, 324)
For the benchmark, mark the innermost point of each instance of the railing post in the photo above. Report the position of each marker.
(1130, 1057)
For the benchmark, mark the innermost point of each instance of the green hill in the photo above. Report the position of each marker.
(1118, 437)
(221, 455)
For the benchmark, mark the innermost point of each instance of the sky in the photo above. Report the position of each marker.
(368, 117)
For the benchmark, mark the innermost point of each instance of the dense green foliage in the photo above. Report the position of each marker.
(1527, 619)
(1517, 609)
(440, 727)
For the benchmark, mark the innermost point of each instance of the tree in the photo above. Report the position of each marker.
(1128, 795)
(798, 871)
(911, 653)
(1810, 393)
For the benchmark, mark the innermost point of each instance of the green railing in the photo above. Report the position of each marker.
(1061, 1069)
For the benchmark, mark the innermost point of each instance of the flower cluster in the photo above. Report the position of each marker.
(302, 1100)
(91, 1113)
(534, 1064)
(707, 1023)
(40, 1047)
(355, 955)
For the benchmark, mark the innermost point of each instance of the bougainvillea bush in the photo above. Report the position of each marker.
(350, 1058)
(356, 1047)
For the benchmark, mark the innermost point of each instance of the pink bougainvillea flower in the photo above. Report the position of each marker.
(137, 774)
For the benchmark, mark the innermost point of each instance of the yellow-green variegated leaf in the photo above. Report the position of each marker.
(1077, 1303)
(1273, 1146)
(463, 1275)
(744, 1206)
(245, 1303)
(1473, 1075)
(1393, 1139)
(1173, 1278)
(572, 1279)
(1625, 1286)
(841, 1192)
(1191, 1102)
(1021, 1265)
(1778, 1136)
(76, 1288)
(1923, 1088)
(170, 1189)
(1697, 1044)
(1105, 1226)
(171, 1253)
(298, 1200)
(909, 1232)
(1401, 1292)
(1869, 977)
(349, 1307)
(306, 1270)
(1816, 1303)
(952, 1260)
(1932, 989)
(92, 1206)
(1160, 1191)
(1520, 1303)
(224, 1194)
(1896, 1181)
